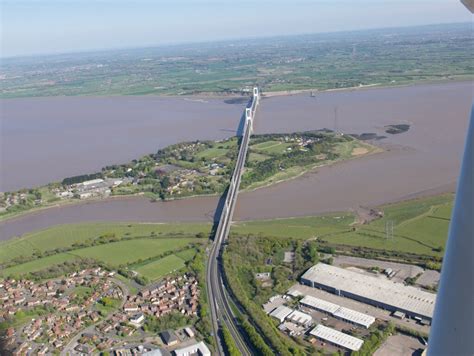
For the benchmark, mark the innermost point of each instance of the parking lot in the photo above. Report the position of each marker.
(402, 271)
(402, 345)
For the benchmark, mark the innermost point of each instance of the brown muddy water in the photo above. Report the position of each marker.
(48, 139)
(424, 160)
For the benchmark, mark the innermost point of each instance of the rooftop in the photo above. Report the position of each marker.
(199, 348)
(381, 290)
(338, 311)
(281, 312)
(336, 337)
(300, 317)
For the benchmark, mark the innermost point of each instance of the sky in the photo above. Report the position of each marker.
(31, 27)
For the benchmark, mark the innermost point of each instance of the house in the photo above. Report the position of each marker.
(169, 338)
(137, 320)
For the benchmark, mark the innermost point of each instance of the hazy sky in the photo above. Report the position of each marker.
(48, 26)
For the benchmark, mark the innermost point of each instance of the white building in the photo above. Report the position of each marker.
(339, 312)
(337, 338)
(137, 319)
(371, 290)
(281, 313)
(300, 318)
(196, 349)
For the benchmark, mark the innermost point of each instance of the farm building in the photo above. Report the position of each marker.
(379, 292)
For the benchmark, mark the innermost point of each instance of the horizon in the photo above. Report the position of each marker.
(223, 40)
(57, 27)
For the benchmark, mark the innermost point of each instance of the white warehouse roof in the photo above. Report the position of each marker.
(281, 313)
(336, 337)
(338, 311)
(300, 318)
(384, 291)
(354, 317)
(200, 348)
(320, 304)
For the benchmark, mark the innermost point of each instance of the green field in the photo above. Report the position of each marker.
(392, 56)
(271, 147)
(130, 251)
(157, 269)
(131, 243)
(299, 228)
(420, 227)
(38, 264)
(186, 255)
(64, 236)
(257, 157)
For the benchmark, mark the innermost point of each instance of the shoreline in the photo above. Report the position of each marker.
(200, 97)
(446, 189)
(65, 203)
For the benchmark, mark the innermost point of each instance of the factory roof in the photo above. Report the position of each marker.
(338, 311)
(299, 317)
(384, 291)
(199, 348)
(319, 304)
(336, 337)
(281, 312)
(354, 316)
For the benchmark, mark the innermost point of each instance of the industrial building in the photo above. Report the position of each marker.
(346, 314)
(337, 338)
(281, 313)
(300, 318)
(379, 292)
(199, 349)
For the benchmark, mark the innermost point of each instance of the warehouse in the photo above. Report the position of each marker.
(337, 338)
(300, 318)
(348, 315)
(281, 313)
(379, 292)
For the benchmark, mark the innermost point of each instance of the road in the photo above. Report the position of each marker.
(219, 300)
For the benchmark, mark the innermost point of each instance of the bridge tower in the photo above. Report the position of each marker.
(256, 93)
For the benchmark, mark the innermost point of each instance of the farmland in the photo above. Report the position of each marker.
(420, 227)
(153, 250)
(161, 267)
(65, 236)
(111, 244)
(319, 61)
(125, 252)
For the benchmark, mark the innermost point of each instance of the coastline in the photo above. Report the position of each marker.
(200, 97)
(373, 149)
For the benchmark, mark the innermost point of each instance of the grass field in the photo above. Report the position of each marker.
(271, 147)
(143, 241)
(420, 226)
(125, 252)
(38, 264)
(299, 228)
(64, 236)
(159, 268)
(257, 157)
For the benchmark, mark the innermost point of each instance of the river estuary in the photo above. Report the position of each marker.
(46, 139)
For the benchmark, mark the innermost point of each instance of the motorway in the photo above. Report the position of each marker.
(219, 300)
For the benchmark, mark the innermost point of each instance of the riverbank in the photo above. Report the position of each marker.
(317, 91)
(422, 161)
(192, 169)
